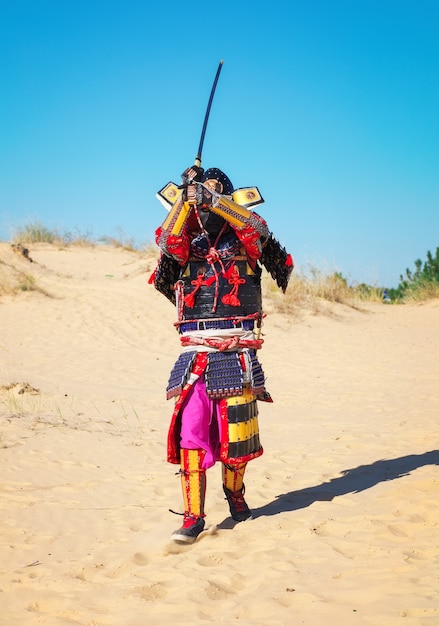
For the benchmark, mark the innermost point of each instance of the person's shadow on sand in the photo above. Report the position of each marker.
(351, 481)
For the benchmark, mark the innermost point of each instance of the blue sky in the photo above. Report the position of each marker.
(330, 107)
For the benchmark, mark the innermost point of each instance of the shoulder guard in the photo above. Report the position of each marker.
(166, 275)
(278, 263)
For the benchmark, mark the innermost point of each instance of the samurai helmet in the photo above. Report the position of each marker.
(223, 183)
(215, 180)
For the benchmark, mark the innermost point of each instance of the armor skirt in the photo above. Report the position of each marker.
(234, 418)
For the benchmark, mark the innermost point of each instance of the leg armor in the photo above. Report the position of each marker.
(233, 476)
(233, 485)
(193, 482)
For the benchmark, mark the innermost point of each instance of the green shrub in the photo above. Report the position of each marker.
(420, 284)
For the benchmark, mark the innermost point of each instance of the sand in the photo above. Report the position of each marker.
(345, 497)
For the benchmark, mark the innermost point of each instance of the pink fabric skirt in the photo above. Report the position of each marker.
(200, 423)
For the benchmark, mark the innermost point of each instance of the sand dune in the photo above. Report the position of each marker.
(345, 497)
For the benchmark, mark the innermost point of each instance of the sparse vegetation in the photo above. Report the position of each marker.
(34, 232)
(121, 241)
(315, 290)
(28, 283)
(420, 284)
(305, 291)
(13, 281)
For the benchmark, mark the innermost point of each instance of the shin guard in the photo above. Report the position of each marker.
(233, 476)
(193, 481)
(233, 486)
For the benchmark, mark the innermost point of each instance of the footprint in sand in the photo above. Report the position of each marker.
(221, 590)
(397, 530)
(216, 558)
(156, 591)
(415, 555)
(140, 558)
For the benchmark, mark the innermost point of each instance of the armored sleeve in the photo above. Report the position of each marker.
(278, 263)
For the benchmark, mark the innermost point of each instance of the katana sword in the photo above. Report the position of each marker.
(168, 194)
(206, 117)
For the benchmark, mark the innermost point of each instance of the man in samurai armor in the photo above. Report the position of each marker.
(213, 246)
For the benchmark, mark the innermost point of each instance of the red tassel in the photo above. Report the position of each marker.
(189, 298)
(233, 279)
(231, 299)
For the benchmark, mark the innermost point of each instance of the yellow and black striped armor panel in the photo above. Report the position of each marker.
(243, 428)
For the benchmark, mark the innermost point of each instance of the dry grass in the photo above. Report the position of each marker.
(310, 292)
(14, 281)
(421, 292)
(121, 241)
(35, 232)
(313, 292)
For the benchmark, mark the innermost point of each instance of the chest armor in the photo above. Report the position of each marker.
(219, 284)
